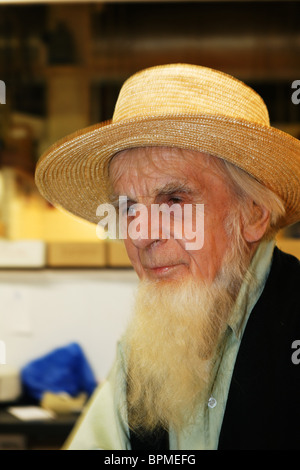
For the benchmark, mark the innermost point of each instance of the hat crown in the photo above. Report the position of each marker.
(178, 89)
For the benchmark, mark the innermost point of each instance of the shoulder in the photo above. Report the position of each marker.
(284, 278)
(277, 310)
(286, 260)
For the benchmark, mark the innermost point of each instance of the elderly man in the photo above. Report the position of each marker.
(207, 359)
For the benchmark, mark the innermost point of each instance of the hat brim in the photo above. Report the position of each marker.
(74, 172)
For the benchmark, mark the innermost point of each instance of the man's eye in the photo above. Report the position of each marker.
(175, 200)
(131, 211)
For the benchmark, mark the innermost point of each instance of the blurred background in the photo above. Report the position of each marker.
(63, 64)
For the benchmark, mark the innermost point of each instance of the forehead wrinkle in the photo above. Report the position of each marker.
(145, 169)
(154, 159)
(132, 170)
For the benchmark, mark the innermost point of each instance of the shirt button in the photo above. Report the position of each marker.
(212, 402)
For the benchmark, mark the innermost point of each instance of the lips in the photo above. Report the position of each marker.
(161, 266)
(168, 273)
(162, 269)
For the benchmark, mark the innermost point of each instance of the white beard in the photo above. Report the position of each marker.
(171, 344)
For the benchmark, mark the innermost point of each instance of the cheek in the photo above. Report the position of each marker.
(216, 236)
(192, 227)
(133, 255)
(207, 261)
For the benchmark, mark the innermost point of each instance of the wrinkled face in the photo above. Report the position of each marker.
(161, 175)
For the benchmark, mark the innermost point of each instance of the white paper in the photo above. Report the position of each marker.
(30, 413)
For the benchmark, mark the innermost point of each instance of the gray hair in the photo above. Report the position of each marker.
(248, 190)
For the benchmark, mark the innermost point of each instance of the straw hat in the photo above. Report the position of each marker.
(176, 105)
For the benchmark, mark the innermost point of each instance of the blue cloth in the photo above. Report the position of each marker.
(65, 369)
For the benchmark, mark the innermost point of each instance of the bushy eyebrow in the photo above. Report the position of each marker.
(173, 188)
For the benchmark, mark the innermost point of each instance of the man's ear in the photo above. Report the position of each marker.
(255, 227)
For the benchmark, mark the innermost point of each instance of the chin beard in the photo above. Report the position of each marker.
(171, 346)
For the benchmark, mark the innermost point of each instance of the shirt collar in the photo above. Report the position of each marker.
(250, 291)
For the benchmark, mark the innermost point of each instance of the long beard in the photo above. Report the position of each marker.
(172, 342)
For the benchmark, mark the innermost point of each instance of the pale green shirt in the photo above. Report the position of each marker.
(103, 423)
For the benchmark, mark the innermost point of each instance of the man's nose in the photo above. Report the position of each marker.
(142, 229)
